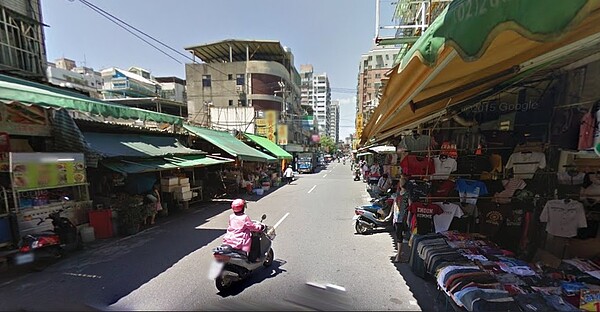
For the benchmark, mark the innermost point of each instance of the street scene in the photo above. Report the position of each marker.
(339, 155)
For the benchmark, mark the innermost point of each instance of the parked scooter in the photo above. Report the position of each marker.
(368, 217)
(38, 247)
(232, 265)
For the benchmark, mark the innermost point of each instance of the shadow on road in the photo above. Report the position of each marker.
(115, 267)
(256, 277)
(424, 291)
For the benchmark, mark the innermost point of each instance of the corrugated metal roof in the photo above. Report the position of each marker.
(136, 145)
(230, 144)
(262, 50)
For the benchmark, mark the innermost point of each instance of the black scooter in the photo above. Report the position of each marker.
(38, 248)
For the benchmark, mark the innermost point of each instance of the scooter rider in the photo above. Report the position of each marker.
(239, 234)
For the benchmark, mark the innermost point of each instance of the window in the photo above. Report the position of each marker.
(239, 79)
(377, 75)
(230, 102)
(206, 81)
(229, 77)
(387, 56)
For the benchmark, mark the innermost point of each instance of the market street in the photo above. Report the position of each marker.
(165, 267)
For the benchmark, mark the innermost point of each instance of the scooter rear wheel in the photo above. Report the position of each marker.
(269, 259)
(223, 284)
(360, 228)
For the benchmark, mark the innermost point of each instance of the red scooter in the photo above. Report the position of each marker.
(39, 247)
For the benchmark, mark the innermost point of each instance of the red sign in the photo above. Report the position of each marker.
(316, 138)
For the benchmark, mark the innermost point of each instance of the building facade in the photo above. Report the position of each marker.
(137, 87)
(334, 121)
(371, 71)
(22, 47)
(316, 93)
(246, 85)
(65, 73)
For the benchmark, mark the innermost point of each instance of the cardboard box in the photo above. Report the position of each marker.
(184, 181)
(182, 188)
(169, 189)
(183, 196)
(169, 181)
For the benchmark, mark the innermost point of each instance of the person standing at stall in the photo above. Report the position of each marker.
(154, 206)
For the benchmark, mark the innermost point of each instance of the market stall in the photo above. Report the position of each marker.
(43, 183)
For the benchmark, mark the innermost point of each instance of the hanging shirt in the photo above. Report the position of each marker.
(415, 143)
(449, 149)
(442, 221)
(510, 186)
(524, 165)
(417, 189)
(443, 168)
(586, 131)
(469, 190)
(424, 216)
(442, 188)
(563, 218)
(417, 165)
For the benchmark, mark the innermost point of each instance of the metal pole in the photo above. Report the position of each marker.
(377, 4)
(246, 78)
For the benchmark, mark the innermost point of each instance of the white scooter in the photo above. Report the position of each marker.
(232, 265)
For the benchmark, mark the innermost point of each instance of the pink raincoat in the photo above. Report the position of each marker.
(238, 234)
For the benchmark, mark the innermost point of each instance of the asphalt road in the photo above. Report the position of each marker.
(165, 267)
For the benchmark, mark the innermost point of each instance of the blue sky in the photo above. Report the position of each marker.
(330, 34)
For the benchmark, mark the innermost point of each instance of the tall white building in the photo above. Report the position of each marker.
(316, 92)
(334, 121)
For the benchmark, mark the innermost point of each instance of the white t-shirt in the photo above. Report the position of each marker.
(563, 218)
(442, 221)
(524, 165)
(443, 168)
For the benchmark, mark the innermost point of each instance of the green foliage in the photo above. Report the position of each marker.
(130, 210)
(328, 145)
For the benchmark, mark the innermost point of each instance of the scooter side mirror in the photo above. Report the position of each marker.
(264, 216)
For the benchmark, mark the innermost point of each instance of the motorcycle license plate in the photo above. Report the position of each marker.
(24, 258)
(215, 269)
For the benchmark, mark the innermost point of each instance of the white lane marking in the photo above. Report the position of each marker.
(312, 188)
(281, 220)
(325, 175)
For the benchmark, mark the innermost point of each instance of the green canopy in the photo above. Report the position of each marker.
(27, 92)
(273, 148)
(469, 26)
(136, 145)
(228, 143)
(159, 164)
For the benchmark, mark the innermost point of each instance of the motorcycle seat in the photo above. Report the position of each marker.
(226, 249)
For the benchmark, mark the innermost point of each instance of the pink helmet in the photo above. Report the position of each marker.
(238, 205)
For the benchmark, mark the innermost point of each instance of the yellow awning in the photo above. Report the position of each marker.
(416, 91)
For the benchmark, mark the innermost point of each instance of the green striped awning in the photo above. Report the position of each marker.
(161, 163)
(271, 147)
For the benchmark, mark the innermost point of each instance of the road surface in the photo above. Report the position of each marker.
(165, 267)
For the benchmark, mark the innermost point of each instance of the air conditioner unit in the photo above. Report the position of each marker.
(239, 88)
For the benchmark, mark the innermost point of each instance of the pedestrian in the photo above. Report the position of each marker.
(365, 171)
(154, 206)
(288, 174)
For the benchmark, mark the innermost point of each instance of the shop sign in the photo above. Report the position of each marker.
(316, 138)
(282, 134)
(45, 170)
(260, 122)
(262, 131)
(18, 119)
(271, 120)
(589, 300)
